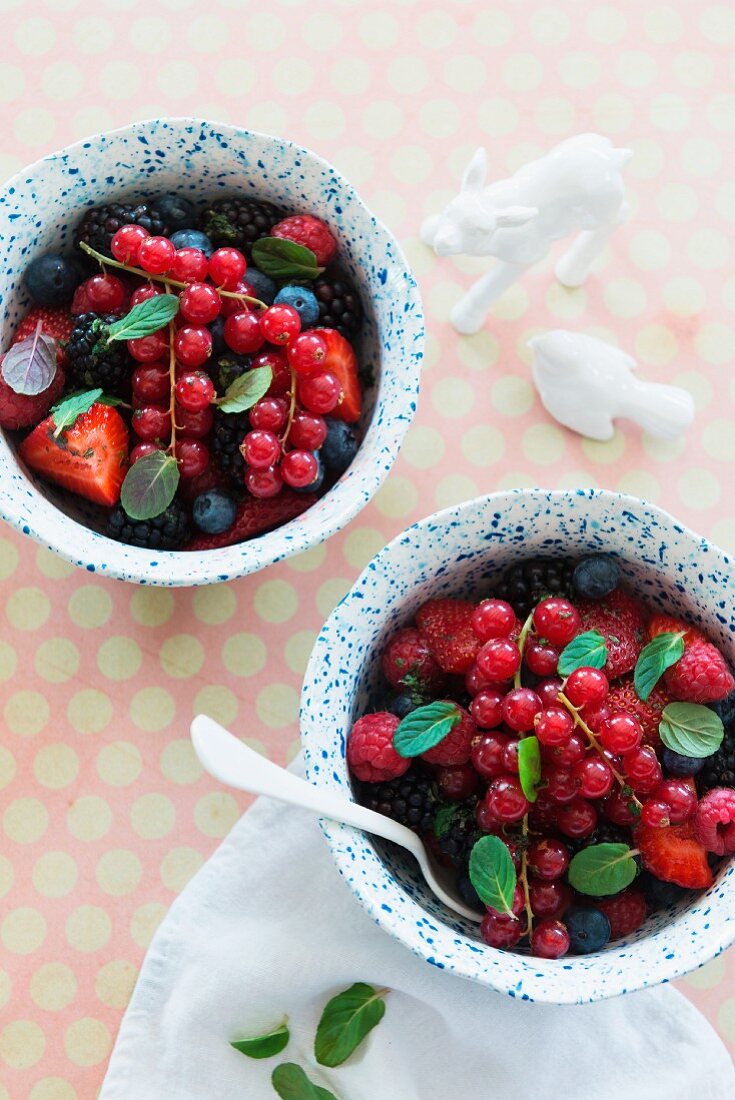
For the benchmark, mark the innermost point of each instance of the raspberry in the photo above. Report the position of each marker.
(407, 660)
(715, 821)
(457, 745)
(675, 854)
(700, 676)
(619, 618)
(447, 627)
(306, 230)
(370, 752)
(21, 410)
(623, 696)
(626, 912)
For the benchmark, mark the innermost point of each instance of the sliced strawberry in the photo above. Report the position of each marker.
(56, 323)
(342, 361)
(623, 696)
(90, 458)
(673, 853)
(447, 627)
(620, 620)
(667, 624)
(254, 517)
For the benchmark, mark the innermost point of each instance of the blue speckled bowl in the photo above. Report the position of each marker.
(460, 551)
(39, 208)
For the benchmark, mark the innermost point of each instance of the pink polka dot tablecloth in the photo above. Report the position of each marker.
(104, 812)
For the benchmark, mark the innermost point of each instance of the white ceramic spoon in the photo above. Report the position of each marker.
(226, 758)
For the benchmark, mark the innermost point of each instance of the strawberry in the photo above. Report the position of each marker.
(455, 747)
(700, 676)
(255, 516)
(56, 323)
(21, 410)
(407, 660)
(623, 696)
(673, 853)
(667, 624)
(447, 627)
(620, 620)
(342, 362)
(89, 458)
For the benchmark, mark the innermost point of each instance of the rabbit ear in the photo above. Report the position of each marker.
(475, 172)
(513, 216)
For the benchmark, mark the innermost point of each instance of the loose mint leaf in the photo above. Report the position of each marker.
(149, 485)
(691, 729)
(264, 1046)
(492, 873)
(661, 653)
(529, 766)
(291, 1083)
(345, 1022)
(67, 412)
(443, 819)
(425, 727)
(602, 869)
(30, 365)
(587, 650)
(283, 259)
(145, 318)
(246, 390)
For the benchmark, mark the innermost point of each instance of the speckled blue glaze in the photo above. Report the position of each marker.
(38, 210)
(458, 552)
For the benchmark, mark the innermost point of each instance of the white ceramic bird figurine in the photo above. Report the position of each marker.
(586, 383)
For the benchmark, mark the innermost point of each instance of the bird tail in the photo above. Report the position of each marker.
(664, 411)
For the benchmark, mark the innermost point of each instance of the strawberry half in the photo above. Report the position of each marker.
(342, 362)
(447, 627)
(619, 618)
(90, 458)
(56, 323)
(667, 624)
(254, 517)
(623, 696)
(673, 853)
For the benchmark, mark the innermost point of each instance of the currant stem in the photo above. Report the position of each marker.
(524, 878)
(105, 261)
(592, 738)
(522, 639)
(291, 409)
(172, 380)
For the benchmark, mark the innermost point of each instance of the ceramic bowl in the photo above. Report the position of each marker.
(460, 551)
(39, 208)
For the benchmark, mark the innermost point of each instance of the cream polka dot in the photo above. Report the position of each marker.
(648, 158)
(22, 1043)
(218, 701)
(322, 31)
(89, 817)
(453, 489)
(640, 483)
(662, 24)
(701, 156)
(708, 976)
(90, 606)
(397, 497)
(152, 709)
(297, 650)
(656, 344)
(89, 711)
(522, 72)
(606, 24)
(407, 75)
(699, 488)
(153, 816)
(7, 767)
(717, 23)
(330, 593)
(423, 447)
(293, 76)
(88, 928)
(496, 117)
(483, 445)
(625, 297)
(636, 68)
(435, 29)
(604, 452)
(492, 27)
(439, 118)
(554, 115)
(119, 79)
(684, 295)
(57, 660)
(152, 606)
(277, 705)
(25, 820)
(119, 658)
(361, 545)
(692, 68)
(6, 988)
(8, 661)
(9, 559)
(715, 343)
(708, 249)
(62, 80)
(244, 654)
(55, 874)
(382, 118)
(179, 763)
(512, 305)
(276, 601)
(216, 813)
(306, 562)
(12, 82)
(214, 604)
(26, 713)
(565, 303)
(7, 876)
(145, 921)
(23, 930)
(52, 1088)
(543, 443)
(179, 866)
(677, 202)
(465, 73)
(119, 764)
(93, 34)
(718, 440)
(87, 1042)
(56, 766)
(698, 385)
(114, 983)
(207, 33)
(53, 986)
(453, 397)
(28, 608)
(34, 37)
(649, 250)
(119, 872)
(324, 119)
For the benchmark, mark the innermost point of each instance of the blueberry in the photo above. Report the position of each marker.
(339, 448)
(302, 300)
(192, 238)
(589, 929)
(402, 705)
(676, 764)
(468, 894)
(725, 708)
(176, 211)
(318, 480)
(659, 894)
(217, 330)
(596, 577)
(51, 279)
(214, 511)
(263, 286)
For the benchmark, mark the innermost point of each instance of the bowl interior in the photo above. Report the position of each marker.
(464, 551)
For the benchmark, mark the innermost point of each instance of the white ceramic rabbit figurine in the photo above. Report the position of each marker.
(576, 188)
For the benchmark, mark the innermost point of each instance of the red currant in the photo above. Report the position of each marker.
(510, 757)
(279, 324)
(586, 687)
(195, 425)
(193, 346)
(226, 267)
(548, 858)
(680, 797)
(276, 360)
(621, 732)
(542, 659)
(550, 940)
(485, 818)
(106, 293)
(151, 383)
(156, 255)
(493, 619)
(271, 413)
(307, 352)
(147, 349)
(617, 808)
(140, 450)
(506, 799)
(475, 681)
(554, 726)
(299, 469)
(487, 709)
(143, 293)
(641, 764)
(243, 332)
(264, 483)
(125, 244)
(261, 449)
(320, 393)
(655, 813)
(457, 782)
(549, 898)
(561, 786)
(190, 266)
(152, 422)
(307, 432)
(595, 716)
(501, 931)
(517, 904)
(195, 391)
(499, 659)
(192, 456)
(548, 691)
(577, 819)
(520, 708)
(647, 786)
(593, 777)
(199, 303)
(237, 305)
(556, 620)
(487, 754)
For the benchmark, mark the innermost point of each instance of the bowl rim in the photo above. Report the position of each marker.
(510, 971)
(105, 556)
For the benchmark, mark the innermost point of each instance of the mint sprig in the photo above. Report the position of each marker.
(691, 729)
(291, 1083)
(145, 318)
(345, 1021)
(661, 653)
(282, 259)
(29, 367)
(150, 485)
(246, 390)
(492, 873)
(425, 727)
(529, 766)
(66, 413)
(602, 869)
(587, 650)
(264, 1046)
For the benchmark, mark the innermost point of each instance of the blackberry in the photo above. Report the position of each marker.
(169, 531)
(461, 836)
(339, 305)
(725, 708)
(719, 768)
(605, 833)
(100, 224)
(524, 584)
(228, 432)
(239, 222)
(95, 362)
(410, 800)
(225, 368)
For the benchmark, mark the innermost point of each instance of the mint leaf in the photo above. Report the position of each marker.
(492, 873)
(29, 367)
(150, 484)
(661, 653)
(147, 317)
(283, 259)
(246, 390)
(529, 766)
(587, 650)
(425, 727)
(346, 1020)
(66, 412)
(443, 819)
(264, 1046)
(691, 729)
(602, 869)
(291, 1083)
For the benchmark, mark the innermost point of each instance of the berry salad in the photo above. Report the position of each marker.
(566, 749)
(191, 372)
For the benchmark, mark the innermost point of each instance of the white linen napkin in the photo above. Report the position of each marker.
(268, 928)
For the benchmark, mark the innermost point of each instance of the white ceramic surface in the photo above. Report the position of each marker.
(461, 551)
(39, 208)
